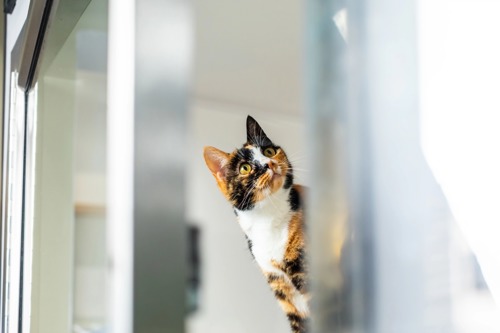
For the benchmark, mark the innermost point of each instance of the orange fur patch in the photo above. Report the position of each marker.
(284, 292)
(296, 238)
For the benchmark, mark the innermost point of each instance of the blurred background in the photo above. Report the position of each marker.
(388, 110)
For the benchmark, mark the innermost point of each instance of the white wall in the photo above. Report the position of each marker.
(235, 297)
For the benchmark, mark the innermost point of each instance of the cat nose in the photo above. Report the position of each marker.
(271, 165)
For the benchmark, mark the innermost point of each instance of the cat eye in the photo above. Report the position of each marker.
(269, 152)
(245, 169)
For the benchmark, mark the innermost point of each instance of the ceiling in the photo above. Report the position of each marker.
(249, 53)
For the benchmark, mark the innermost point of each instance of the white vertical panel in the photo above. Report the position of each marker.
(120, 161)
(149, 62)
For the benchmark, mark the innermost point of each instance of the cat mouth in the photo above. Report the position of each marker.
(270, 180)
(275, 175)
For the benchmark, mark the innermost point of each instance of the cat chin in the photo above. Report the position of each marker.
(273, 186)
(276, 182)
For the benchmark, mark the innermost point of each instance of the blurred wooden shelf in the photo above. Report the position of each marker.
(90, 209)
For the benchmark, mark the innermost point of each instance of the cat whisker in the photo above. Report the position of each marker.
(301, 169)
(290, 170)
(272, 202)
(295, 152)
(296, 157)
(294, 163)
(283, 165)
(247, 196)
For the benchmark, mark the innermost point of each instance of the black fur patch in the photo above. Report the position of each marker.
(241, 190)
(295, 266)
(280, 294)
(288, 181)
(255, 133)
(241, 195)
(289, 177)
(245, 154)
(294, 269)
(299, 283)
(297, 323)
(272, 277)
(250, 245)
(294, 200)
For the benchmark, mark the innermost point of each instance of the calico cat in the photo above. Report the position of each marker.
(257, 180)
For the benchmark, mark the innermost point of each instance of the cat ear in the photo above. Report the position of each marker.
(217, 162)
(255, 134)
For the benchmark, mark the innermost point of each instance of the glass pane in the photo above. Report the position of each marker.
(69, 292)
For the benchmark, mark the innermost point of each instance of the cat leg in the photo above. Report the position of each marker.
(290, 300)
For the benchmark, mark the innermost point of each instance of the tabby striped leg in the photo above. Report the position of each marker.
(297, 323)
(289, 297)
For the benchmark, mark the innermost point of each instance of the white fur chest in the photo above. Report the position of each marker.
(266, 226)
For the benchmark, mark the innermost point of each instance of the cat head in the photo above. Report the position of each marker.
(252, 173)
